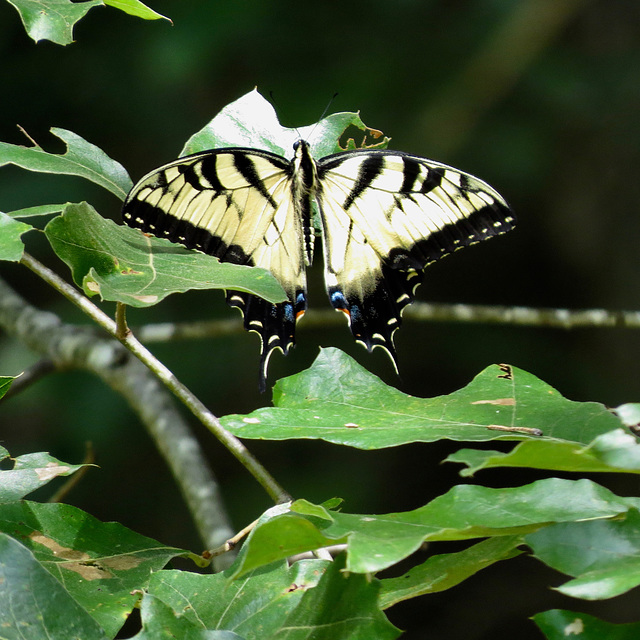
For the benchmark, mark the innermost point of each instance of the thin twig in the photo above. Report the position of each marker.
(418, 311)
(524, 316)
(268, 483)
(231, 543)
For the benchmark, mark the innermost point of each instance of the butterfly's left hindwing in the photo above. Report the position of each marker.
(236, 204)
(385, 217)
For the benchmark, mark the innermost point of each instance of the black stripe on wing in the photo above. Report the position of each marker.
(375, 315)
(274, 323)
(374, 319)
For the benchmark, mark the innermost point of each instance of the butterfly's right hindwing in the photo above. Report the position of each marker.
(386, 215)
(237, 205)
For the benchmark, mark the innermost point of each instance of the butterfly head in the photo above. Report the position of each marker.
(305, 170)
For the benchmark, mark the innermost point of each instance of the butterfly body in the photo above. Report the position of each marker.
(383, 217)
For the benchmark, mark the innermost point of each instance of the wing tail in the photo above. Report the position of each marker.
(374, 317)
(274, 323)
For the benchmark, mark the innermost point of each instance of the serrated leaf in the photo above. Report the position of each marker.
(81, 159)
(251, 121)
(310, 599)
(34, 605)
(11, 245)
(136, 8)
(52, 19)
(100, 564)
(376, 542)
(604, 556)
(441, 572)
(124, 265)
(339, 401)
(30, 472)
(559, 624)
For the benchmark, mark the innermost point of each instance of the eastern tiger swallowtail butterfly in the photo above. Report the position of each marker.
(384, 216)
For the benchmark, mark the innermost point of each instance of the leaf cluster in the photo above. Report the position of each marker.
(64, 574)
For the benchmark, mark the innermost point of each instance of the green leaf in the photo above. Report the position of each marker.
(122, 264)
(136, 8)
(603, 555)
(616, 451)
(159, 621)
(340, 606)
(52, 19)
(563, 625)
(376, 542)
(40, 210)
(251, 121)
(629, 414)
(34, 605)
(444, 571)
(311, 599)
(98, 564)
(81, 159)
(339, 401)
(5, 384)
(260, 602)
(11, 245)
(30, 472)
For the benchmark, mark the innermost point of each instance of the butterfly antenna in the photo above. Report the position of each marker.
(322, 116)
(324, 113)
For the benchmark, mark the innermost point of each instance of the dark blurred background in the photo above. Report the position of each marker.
(540, 98)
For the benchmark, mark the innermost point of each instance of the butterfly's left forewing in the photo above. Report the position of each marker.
(385, 217)
(235, 204)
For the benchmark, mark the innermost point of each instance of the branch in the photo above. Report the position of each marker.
(275, 491)
(69, 346)
(418, 311)
(524, 316)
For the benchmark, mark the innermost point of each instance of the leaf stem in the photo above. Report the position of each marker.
(230, 544)
(268, 483)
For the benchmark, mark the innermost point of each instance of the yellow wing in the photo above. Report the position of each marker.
(235, 204)
(386, 215)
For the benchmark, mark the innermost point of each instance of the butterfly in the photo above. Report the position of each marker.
(383, 216)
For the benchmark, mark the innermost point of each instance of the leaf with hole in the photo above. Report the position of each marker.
(311, 599)
(52, 19)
